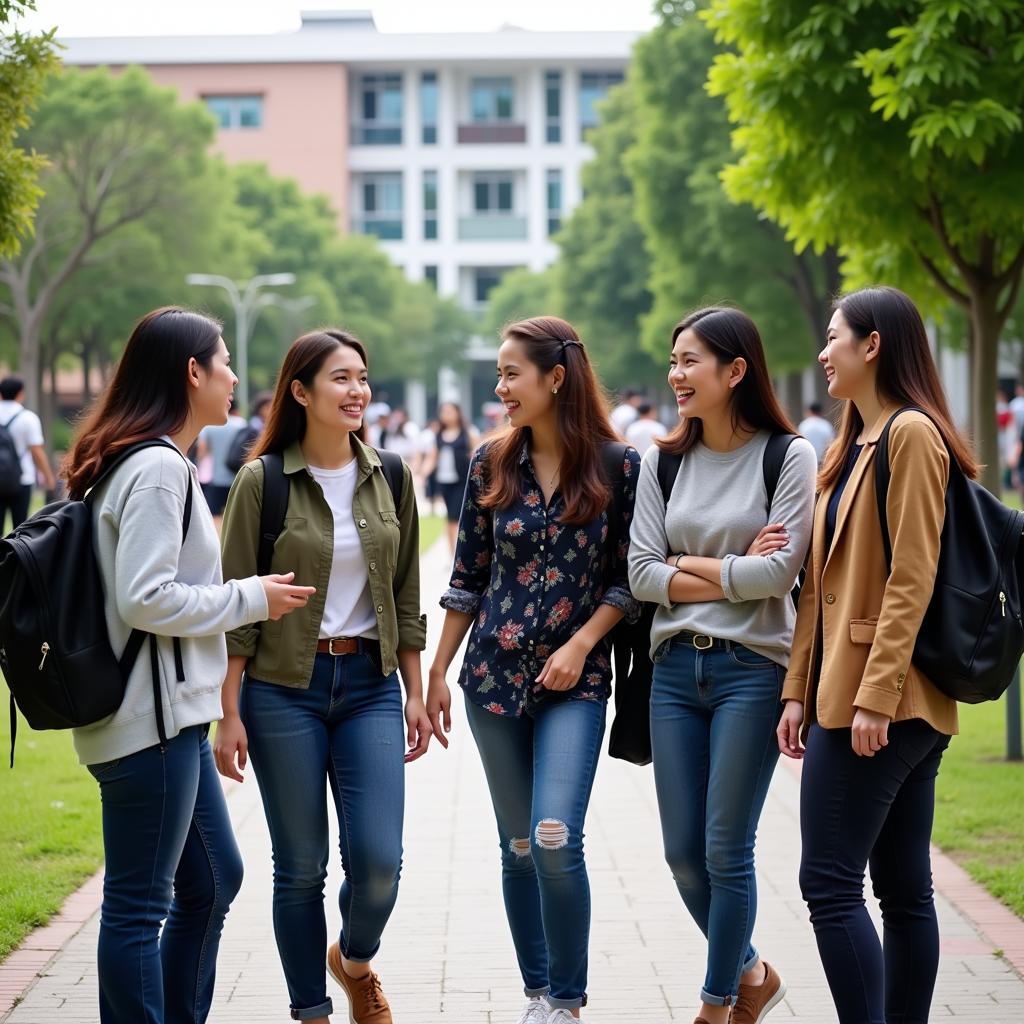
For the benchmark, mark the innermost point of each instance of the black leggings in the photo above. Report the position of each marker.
(875, 812)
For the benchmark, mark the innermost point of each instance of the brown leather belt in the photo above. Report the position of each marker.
(336, 645)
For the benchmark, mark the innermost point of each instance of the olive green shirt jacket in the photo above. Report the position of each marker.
(284, 651)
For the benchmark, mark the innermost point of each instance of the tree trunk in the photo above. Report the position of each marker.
(86, 354)
(793, 395)
(985, 329)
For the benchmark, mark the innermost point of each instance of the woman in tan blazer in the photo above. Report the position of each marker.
(875, 727)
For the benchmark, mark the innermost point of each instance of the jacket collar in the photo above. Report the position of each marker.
(872, 435)
(366, 457)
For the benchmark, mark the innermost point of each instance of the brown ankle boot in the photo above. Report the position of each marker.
(754, 1001)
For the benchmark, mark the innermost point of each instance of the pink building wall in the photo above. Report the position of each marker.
(305, 119)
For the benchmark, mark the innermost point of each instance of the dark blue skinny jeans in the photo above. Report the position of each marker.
(540, 772)
(169, 853)
(872, 812)
(347, 730)
(713, 720)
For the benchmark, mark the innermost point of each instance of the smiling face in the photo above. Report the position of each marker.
(339, 393)
(702, 385)
(849, 362)
(522, 388)
(213, 388)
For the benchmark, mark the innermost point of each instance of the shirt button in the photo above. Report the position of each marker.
(373, 567)
(830, 599)
(362, 523)
(380, 609)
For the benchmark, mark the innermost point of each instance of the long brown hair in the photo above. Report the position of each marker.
(906, 374)
(583, 424)
(286, 421)
(148, 395)
(730, 334)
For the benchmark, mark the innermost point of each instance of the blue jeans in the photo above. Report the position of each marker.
(873, 811)
(347, 730)
(540, 772)
(169, 852)
(713, 720)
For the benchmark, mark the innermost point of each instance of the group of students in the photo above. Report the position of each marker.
(323, 629)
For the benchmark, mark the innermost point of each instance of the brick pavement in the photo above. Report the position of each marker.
(447, 955)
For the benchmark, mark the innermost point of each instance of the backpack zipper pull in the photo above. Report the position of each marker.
(46, 650)
(1002, 601)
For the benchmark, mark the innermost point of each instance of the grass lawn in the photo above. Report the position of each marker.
(979, 813)
(431, 528)
(49, 829)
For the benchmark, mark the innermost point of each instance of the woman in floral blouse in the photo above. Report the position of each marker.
(540, 575)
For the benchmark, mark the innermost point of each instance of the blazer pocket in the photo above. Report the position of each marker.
(862, 631)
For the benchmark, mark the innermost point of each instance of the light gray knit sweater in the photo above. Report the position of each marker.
(154, 583)
(716, 509)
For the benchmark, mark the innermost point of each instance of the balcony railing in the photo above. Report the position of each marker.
(386, 229)
(376, 135)
(493, 227)
(490, 132)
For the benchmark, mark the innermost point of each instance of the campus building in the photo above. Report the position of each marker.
(460, 152)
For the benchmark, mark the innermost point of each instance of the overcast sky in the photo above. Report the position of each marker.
(215, 17)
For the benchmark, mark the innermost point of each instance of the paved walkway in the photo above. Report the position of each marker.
(447, 955)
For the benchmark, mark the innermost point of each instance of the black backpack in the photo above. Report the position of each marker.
(238, 453)
(10, 460)
(54, 647)
(630, 735)
(971, 638)
(276, 487)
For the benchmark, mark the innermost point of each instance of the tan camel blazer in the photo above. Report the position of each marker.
(861, 621)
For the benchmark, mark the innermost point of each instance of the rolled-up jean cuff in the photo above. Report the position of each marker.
(750, 962)
(713, 1000)
(567, 1004)
(356, 958)
(536, 993)
(325, 1009)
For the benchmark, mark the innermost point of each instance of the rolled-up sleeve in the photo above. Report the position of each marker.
(649, 574)
(618, 594)
(474, 551)
(756, 577)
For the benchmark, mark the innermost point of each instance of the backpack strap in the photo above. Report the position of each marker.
(394, 472)
(772, 461)
(7, 425)
(276, 488)
(668, 470)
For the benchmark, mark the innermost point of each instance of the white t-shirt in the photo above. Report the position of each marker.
(348, 609)
(622, 415)
(819, 432)
(641, 433)
(403, 441)
(26, 432)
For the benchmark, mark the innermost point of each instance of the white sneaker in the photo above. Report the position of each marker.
(561, 1016)
(536, 1011)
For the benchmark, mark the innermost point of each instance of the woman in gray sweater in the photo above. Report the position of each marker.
(721, 565)
(168, 848)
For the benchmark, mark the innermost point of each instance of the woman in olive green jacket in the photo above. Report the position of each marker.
(318, 701)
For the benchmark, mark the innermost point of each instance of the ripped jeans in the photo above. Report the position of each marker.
(540, 771)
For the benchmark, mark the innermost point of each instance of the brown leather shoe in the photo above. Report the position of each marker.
(366, 1002)
(754, 1001)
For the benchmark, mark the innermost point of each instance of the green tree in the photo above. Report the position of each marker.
(603, 269)
(875, 124)
(25, 62)
(521, 293)
(122, 152)
(704, 247)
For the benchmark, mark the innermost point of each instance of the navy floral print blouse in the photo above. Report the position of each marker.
(532, 582)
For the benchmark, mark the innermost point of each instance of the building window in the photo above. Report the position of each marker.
(428, 107)
(594, 86)
(554, 191)
(430, 205)
(485, 280)
(553, 105)
(382, 206)
(430, 275)
(380, 110)
(492, 100)
(236, 111)
(493, 193)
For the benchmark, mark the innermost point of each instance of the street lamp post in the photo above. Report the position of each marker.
(293, 309)
(245, 298)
